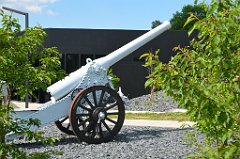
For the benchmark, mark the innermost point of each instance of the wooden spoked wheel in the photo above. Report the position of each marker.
(97, 114)
(64, 125)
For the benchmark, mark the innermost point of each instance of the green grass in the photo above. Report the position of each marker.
(156, 116)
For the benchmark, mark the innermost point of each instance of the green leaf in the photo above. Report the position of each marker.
(191, 30)
(189, 20)
(149, 82)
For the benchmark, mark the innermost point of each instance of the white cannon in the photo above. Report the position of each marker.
(84, 103)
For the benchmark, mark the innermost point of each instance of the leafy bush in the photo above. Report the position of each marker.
(114, 79)
(25, 65)
(25, 59)
(151, 61)
(22, 128)
(204, 78)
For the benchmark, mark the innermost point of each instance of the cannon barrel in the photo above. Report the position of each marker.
(130, 47)
(69, 83)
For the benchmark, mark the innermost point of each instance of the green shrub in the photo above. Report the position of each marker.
(151, 61)
(21, 128)
(114, 79)
(204, 78)
(25, 65)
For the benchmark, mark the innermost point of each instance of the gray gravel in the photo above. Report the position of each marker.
(132, 142)
(158, 103)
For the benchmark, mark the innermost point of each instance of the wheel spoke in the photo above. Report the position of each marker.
(98, 131)
(111, 106)
(94, 98)
(64, 127)
(85, 108)
(112, 121)
(81, 115)
(68, 125)
(88, 101)
(101, 97)
(94, 126)
(113, 113)
(108, 100)
(61, 121)
(107, 127)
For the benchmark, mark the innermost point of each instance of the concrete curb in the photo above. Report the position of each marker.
(158, 123)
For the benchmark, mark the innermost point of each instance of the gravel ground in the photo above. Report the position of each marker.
(131, 142)
(158, 103)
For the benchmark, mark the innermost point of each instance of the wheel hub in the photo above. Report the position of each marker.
(99, 114)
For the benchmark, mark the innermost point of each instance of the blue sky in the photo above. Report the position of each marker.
(97, 14)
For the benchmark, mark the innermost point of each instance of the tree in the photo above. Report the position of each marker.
(204, 78)
(156, 23)
(23, 58)
(179, 18)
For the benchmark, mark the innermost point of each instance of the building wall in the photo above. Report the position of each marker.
(78, 44)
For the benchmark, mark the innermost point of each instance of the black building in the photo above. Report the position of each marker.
(78, 44)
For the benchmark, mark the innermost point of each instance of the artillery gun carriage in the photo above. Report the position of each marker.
(84, 102)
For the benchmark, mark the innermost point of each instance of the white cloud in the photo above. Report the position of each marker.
(31, 6)
(51, 12)
(34, 8)
(47, 1)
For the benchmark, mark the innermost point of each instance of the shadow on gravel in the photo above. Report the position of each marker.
(125, 135)
(134, 135)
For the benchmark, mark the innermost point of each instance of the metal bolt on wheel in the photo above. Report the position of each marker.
(97, 114)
